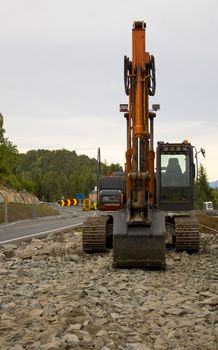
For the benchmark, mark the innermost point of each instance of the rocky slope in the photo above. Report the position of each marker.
(13, 196)
(52, 296)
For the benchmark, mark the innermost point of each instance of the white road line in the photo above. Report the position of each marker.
(26, 226)
(55, 222)
(35, 225)
(6, 225)
(41, 233)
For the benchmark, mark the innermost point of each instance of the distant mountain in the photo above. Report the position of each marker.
(214, 184)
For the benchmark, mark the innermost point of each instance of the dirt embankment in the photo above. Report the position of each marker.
(12, 196)
(22, 205)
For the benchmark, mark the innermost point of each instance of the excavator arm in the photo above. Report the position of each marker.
(138, 234)
(139, 80)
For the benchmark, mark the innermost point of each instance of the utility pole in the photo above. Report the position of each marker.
(98, 170)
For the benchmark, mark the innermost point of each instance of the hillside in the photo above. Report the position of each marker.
(22, 205)
(23, 211)
(58, 173)
(13, 196)
(49, 175)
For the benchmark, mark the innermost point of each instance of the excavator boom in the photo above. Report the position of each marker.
(138, 237)
(139, 155)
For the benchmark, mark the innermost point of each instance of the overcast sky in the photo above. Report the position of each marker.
(61, 73)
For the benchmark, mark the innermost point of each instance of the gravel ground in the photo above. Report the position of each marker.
(53, 296)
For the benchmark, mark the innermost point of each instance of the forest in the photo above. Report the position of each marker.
(49, 174)
(53, 174)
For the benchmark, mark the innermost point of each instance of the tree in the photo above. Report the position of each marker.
(61, 173)
(107, 169)
(215, 194)
(203, 192)
(8, 160)
(48, 174)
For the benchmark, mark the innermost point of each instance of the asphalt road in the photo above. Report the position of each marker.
(27, 229)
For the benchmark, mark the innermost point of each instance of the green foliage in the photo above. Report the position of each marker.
(107, 169)
(203, 192)
(215, 195)
(60, 173)
(8, 160)
(48, 174)
(21, 211)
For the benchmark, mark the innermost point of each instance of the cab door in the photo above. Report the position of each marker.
(175, 177)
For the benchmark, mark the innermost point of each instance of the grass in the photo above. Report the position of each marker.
(21, 211)
(207, 220)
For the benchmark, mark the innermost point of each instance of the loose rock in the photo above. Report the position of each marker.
(53, 296)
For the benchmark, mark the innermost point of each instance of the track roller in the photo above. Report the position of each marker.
(97, 233)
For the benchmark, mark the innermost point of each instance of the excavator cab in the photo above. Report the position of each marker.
(175, 176)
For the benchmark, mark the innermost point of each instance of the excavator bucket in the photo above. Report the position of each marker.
(139, 246)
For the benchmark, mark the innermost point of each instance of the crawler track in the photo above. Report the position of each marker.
(187, 234)
(97, 234)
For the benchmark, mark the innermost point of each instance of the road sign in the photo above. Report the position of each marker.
(79, 196)
(68, 202)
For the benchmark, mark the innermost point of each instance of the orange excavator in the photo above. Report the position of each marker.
(139, 206)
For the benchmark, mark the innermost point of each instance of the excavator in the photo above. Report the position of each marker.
(140, 205)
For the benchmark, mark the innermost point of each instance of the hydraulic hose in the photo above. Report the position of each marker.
(127, 71)
(152, 79)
